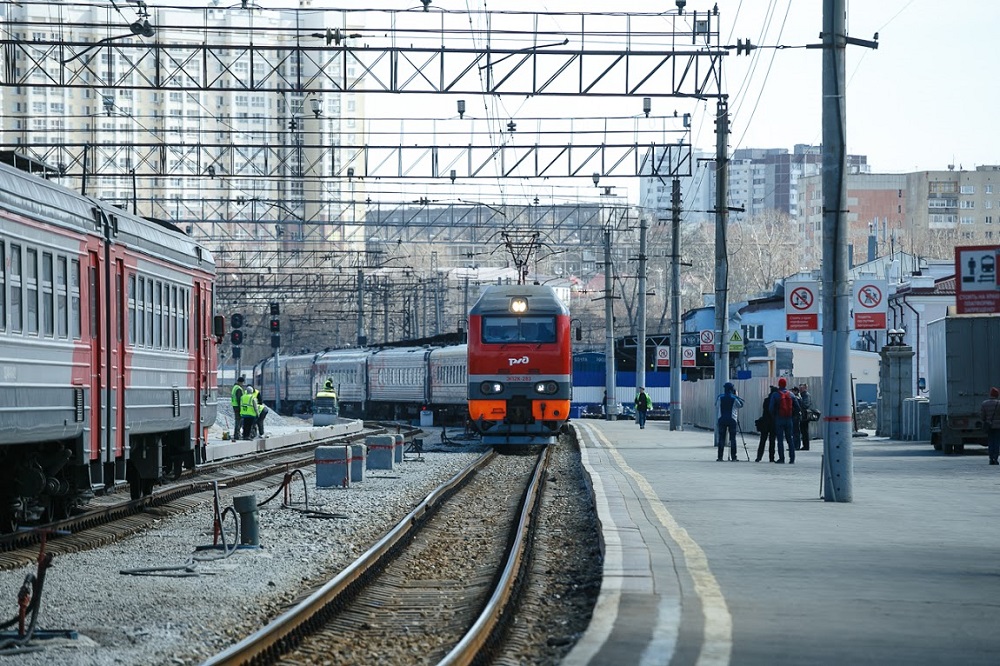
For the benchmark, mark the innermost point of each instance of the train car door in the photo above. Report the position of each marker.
(201, 367)
(119, 369)
(98, 404)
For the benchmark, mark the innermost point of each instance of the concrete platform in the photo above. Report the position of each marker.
(277, 438)
(743, 563)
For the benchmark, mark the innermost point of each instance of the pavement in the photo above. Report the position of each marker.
(744, 563)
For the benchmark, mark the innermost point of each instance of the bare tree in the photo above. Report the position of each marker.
(762, 249)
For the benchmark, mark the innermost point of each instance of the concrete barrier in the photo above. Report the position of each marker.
(381, 451)
(333, 466)
(398, 448)
(359, 461)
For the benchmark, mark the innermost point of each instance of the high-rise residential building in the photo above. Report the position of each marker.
(233, 163)
(927, 213)
(761, 180)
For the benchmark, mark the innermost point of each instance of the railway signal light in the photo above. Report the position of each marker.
(275, 341)
(237, 320)
(275, 309)
(275, 325)
(236, 337)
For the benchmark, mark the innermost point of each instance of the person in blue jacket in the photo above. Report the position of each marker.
(728, 403)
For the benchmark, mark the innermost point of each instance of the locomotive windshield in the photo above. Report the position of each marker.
(500, 330)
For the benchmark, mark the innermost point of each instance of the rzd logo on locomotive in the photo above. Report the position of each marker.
(518, 361)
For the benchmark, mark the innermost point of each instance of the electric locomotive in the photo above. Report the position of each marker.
(520, 365)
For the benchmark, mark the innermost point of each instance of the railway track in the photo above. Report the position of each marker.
(438, 588)
(111, 518)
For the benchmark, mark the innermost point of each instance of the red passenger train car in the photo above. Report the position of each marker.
(520, 365)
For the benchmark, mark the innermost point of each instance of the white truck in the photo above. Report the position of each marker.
(963, 356)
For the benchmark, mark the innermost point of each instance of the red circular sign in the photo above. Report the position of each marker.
(869, 296)
(801, 298)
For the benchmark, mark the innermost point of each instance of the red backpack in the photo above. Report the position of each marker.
(786, 404)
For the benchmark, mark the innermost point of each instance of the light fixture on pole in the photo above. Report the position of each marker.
(461, 108)
(647, 105)
(317, 106)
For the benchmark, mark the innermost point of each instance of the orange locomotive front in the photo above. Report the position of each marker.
(520, 365)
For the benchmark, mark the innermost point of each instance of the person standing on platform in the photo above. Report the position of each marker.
(765, 425)
(236, 394)
(729, 403)
(806, 405)
(642, 403)
(248, 412)
(991, 421)
(782, 408)
(796, 428)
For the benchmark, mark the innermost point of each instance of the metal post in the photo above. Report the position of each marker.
(721, 253)
(640, 352)
(676, 412)
(838, 457)
(611, 408)
(362, 337)
(277, 384)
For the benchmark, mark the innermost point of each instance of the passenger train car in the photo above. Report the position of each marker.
(520, 365)
(385, 383)
(107, 347)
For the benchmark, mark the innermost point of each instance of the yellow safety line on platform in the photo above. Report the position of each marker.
(718, 640)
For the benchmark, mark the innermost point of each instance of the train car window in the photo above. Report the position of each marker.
(31, 291)
(48, 297)
(74, 295)
(62, 295)
(157, 321)
(187, 309)
(131, 309)
(498, 330)
(92, 277)
(149, 313)
(141, 312)
(16, 307)
(173, 317)
(3, 286)
(119, 295)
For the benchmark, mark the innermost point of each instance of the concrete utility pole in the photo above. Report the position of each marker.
(838, 457)
(611, 405)
(676, 411)
(362, 336)
(721, 254)
(640, 352)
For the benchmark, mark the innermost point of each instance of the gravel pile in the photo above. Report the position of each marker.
(184, 618)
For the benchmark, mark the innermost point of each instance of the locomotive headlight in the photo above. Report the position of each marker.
(546, 388)
(491, 388)
(519, 305)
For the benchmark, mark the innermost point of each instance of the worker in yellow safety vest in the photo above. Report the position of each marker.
(248, 412)
(238, 389)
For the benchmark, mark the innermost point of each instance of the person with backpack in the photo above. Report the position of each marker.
(783, 410)
(765, 426)
(728, 403)
(642, 404)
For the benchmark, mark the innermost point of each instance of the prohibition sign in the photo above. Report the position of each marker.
(870, 296)
(801, 298)
(663, 353)
(689, 353)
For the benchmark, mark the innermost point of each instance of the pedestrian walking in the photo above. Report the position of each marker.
(729, 403)
(236, 394)
(991, 422)
(806, 403)
(782, 407)
(765, 426)
(642, 403)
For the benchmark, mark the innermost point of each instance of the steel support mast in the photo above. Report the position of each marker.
(721, 254)
(610, 403)
(640, 351)
(676, 411)
(838, 457)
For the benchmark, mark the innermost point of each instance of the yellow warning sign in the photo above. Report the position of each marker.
(735, 342)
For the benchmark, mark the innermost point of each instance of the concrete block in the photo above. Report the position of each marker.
(358, 462)
(398, 448)
(380, 451)
(333, 466)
